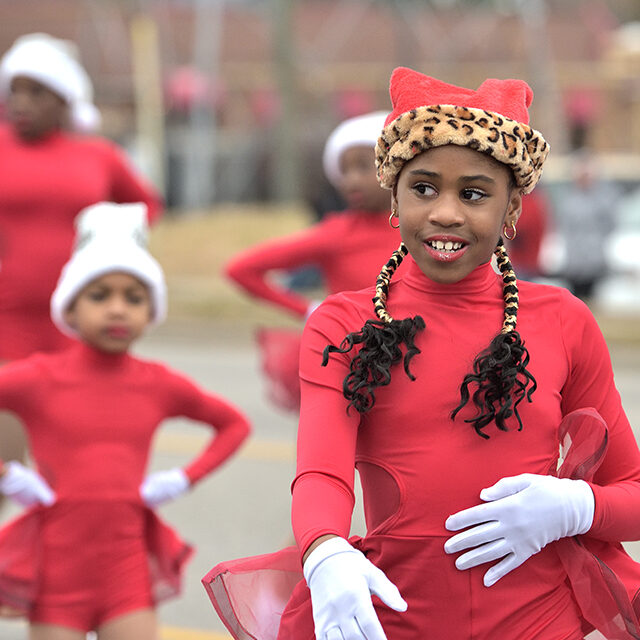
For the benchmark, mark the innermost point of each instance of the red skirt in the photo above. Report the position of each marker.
(46, 532)
(250, 595)
(279, 360)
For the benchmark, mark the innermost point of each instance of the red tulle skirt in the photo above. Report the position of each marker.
(22, 553)
(279, 360)
(266, 597)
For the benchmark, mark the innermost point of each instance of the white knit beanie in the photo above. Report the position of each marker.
(109, 237)
(54, 63)
(359, 131)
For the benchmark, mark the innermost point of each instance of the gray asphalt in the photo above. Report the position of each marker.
(243, 508)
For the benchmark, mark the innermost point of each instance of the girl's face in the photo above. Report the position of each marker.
(452, 202)
(33, 109)
(358, 182)
(111, 312)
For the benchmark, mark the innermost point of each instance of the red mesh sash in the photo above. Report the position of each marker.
(600, 594)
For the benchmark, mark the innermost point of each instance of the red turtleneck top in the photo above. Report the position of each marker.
(349, 248)
(417, 466)
(90, 417)
(43, 186)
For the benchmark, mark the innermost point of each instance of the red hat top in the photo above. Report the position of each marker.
(410, 89)
(492, 119)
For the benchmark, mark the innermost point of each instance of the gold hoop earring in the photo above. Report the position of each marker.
(506, 235)
(394, 214)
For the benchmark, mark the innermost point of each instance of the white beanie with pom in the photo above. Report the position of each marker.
(109, 237)
(355, 132)
(54, 63)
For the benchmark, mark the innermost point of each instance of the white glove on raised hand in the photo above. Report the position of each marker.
(163, 486)
(341, 581)
(523, 514)
(25, 486)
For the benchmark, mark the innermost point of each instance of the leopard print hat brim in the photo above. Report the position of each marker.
(513, 143)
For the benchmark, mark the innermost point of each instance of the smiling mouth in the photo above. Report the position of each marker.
(447, 246)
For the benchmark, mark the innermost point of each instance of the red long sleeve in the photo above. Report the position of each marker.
(230, 426)
(349, 249)
(127, 185)
(325, 457)
(428, 465)
(90, 418)
(616, 486)
(250, 268)
(43, 186)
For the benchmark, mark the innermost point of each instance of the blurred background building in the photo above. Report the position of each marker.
(222, 101)
(231, 100)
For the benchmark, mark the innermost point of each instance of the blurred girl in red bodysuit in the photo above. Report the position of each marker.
(499, 471)
(89, 553)
(348, 247)
(50, 169)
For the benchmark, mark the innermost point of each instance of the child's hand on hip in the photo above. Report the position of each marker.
(25, 486)
(163, 486)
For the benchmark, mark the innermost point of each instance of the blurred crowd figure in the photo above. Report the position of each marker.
(569, 238)
(524, 249)
(347, 247)
(52, 165)
(89, 552)
(585, 217)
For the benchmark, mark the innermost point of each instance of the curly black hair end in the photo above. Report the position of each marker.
(502, 382)
(381, 349)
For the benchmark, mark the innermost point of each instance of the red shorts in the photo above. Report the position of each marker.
(94, 564)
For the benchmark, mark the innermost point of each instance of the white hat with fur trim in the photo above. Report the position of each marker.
(53, 63)
(359, 131)
(109, 237)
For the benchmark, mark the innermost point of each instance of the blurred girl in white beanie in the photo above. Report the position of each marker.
(50, 169)
(348, 247)
(89, 554)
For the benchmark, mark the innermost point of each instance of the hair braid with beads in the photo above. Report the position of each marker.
(500, 372)
(381, 342)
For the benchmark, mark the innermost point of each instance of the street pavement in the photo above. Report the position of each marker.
(242, 509)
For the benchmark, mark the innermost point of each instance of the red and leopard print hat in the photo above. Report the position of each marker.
(430, 113)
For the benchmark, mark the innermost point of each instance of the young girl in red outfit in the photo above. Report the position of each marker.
(453, 393)
(348, 247)
(49, 171)
(90, 554)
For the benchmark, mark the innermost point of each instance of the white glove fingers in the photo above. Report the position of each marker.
(161, 486)
(349, 629)
(332, 634)
(381, 586)
(506, 487)
(342, 581)
(501, 569)
(482, 534)
(369, 626)
(47, 496)
(25, 486)
(486, 553)
(479, 514)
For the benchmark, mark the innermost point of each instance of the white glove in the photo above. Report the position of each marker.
(163, 486)
(524, 513)
(341, 581)
(25, 486)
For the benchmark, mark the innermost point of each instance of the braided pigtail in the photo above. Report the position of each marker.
(381, 342)
(500, 372)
